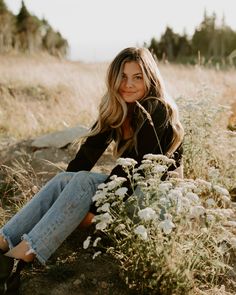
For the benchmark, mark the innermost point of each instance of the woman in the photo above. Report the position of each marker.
(139, 117)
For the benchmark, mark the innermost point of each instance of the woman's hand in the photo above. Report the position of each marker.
(87, 221)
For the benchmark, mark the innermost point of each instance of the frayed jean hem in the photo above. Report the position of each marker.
(7, 238)
(32, 250)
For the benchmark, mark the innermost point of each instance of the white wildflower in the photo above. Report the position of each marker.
(102, 186)
(144, 166)
(174, 195)
(101, 225)
(188, 186)
(126, 162)
(147, 214)
(115, 203)
(204, 183)
(167, 225)
(96, 242)
(221, 190)
(192, 197)
(86, 242)
(121, 191)
(210, 203)
(115, 182)
(137, 176)
(118, 179)
(104, 208)
(142, 232)
(154, 157)
(159, 168)
(223, 213)
(99, 196)
(185, 203)
(151, 182)
(96, 254)
(164, 187)
(111, 185)
(104, 220)
(196, 211)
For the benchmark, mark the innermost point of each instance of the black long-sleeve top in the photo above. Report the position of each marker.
(94, 146)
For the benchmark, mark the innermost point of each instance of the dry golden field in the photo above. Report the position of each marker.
(42, 93)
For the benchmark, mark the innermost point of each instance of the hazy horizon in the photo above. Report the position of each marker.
(98, 30)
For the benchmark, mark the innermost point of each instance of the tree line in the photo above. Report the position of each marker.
(211, 43)
(24, 32)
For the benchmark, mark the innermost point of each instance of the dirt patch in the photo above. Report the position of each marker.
(72, 269)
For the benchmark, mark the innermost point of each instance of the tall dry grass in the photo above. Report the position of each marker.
(41, 93)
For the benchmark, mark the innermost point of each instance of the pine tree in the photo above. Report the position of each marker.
(6, 28)
(3, 7)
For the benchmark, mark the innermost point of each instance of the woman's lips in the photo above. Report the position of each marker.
(128, 92)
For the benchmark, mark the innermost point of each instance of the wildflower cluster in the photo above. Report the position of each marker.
(209, 149)
(169, 236)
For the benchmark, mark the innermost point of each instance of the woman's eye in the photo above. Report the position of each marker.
(139, 77)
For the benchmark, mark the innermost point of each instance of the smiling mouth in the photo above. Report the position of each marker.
(127, 92)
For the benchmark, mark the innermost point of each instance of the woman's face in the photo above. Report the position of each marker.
(132, 85)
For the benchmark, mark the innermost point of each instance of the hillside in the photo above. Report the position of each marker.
(40, 94)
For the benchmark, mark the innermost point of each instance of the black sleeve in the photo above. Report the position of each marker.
(90, 151)
(153, 137)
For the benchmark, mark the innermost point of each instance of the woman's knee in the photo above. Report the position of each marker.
(82, 175)
(88, 178)
(63, 176)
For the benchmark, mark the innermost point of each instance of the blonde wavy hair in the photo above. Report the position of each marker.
(113, 109)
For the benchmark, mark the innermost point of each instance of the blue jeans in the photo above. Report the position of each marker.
(53, 213)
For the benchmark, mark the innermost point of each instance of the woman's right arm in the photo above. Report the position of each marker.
(90, 151)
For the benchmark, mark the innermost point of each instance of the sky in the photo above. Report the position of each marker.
(98, 29)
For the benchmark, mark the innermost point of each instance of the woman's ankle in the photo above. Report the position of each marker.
(22, 252)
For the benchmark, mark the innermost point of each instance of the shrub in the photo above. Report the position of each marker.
(169, 237)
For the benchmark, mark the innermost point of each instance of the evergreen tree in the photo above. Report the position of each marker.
(6, 28)
(3, 7)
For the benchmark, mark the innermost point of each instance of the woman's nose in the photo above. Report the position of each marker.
(129, 83)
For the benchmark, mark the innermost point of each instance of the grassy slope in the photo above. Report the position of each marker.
(41, 93)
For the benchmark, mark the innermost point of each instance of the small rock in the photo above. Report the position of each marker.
(59, 139)
(77, 282)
